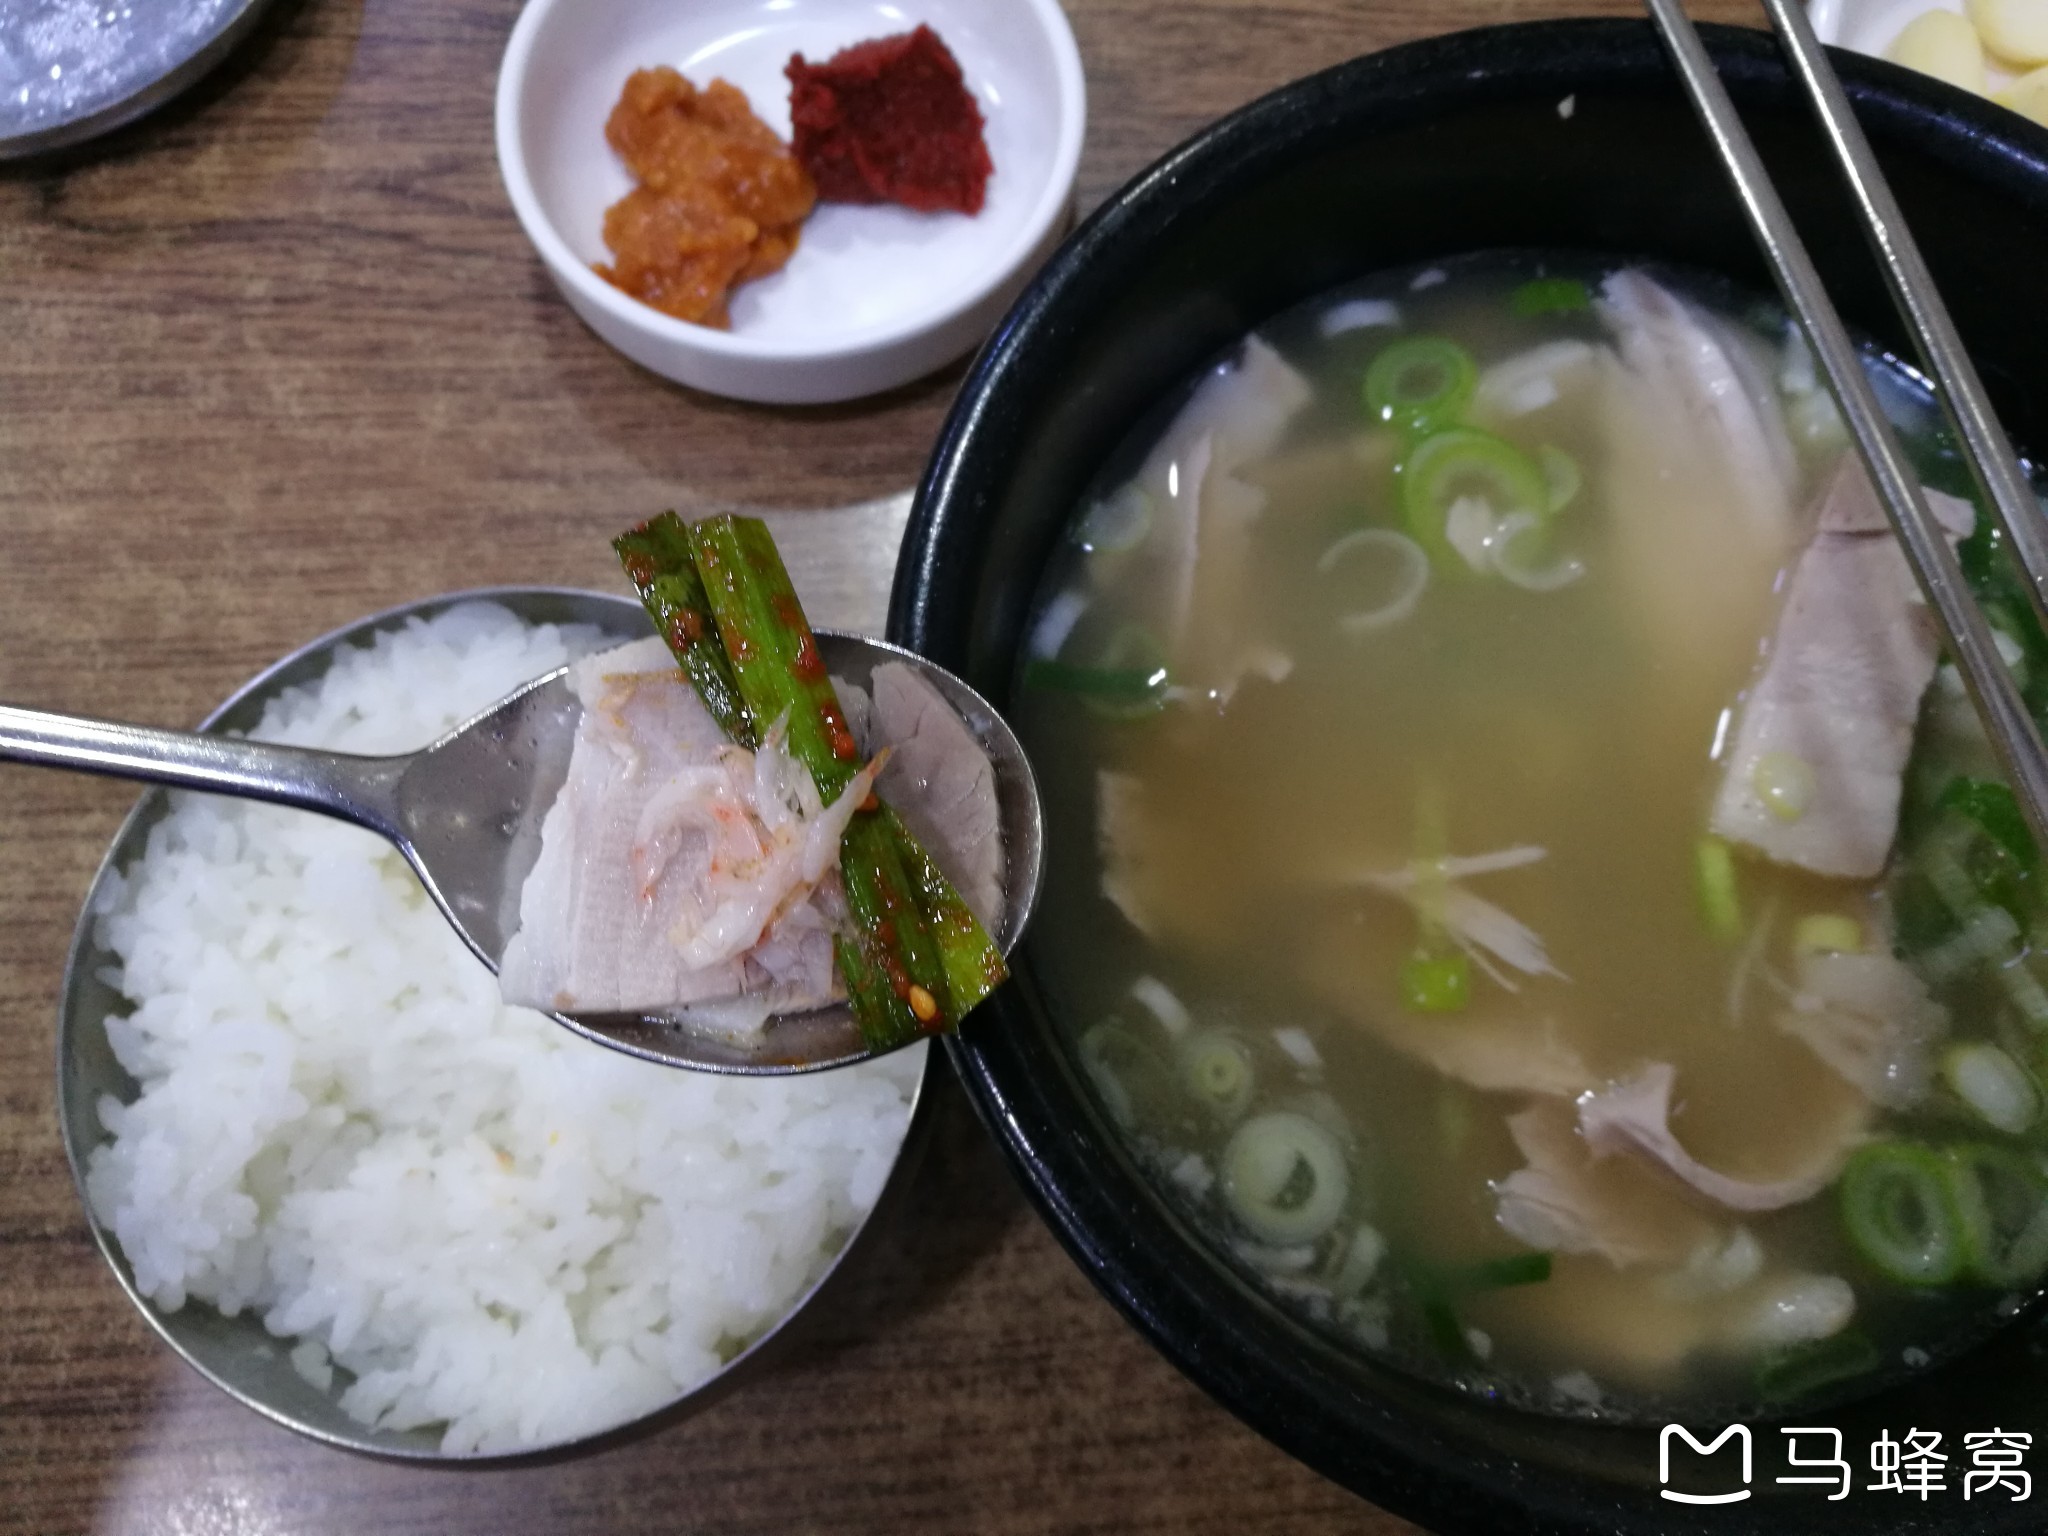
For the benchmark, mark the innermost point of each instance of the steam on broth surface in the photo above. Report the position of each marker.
(1495, 898)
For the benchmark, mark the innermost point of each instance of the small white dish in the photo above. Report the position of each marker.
(875, 296)
(1872, 26)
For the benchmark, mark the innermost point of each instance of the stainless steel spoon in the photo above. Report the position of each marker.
(466, 813)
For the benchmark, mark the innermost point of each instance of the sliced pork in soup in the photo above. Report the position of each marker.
(1522, 875)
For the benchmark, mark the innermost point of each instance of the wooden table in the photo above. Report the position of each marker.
(280, 356)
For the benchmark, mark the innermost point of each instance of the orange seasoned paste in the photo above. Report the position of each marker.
(719, 202)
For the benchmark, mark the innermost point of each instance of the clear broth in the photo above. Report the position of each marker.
(1582, 721)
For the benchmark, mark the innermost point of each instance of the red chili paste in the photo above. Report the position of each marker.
(890, 121)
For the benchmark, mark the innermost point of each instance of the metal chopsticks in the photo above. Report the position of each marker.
(1990, 452)
(1984, 442)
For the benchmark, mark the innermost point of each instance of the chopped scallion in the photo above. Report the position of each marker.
(1561, 477)
(1445, 1331)
(2001, 1200)
(1285, 1177)
(1898, 1204)
(1131, 687)
(1216, 1069)
(1827, 933)
(1453, 1117)
(1499, 1274)
(1461, 464)
(1994, 1086)
(1803, 1369)
(1550, 296)
(2029, 998)
(1362, 1256)
(1720, 899)
(1420, 384)
(1995, 810)
(1434, 981)
(1126, 1075)
(1784, 782)
(1988, 936)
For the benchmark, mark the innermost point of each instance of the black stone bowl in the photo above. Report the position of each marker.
(1426, 151)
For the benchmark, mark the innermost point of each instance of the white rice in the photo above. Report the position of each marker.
(483, 1221)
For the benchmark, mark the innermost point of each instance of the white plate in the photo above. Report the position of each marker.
(1872, 26)
(875, 295)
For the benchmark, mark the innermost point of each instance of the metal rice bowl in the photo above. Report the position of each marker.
(238, 1354)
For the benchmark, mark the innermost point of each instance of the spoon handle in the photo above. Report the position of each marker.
(358, 789)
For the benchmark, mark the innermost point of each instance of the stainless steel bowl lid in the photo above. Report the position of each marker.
(73, 69)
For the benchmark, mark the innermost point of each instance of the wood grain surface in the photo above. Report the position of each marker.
(280, 356)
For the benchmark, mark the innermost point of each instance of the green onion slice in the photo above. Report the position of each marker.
(1421, 384)
(1827, 933)
(1130, 678)
(1803, 1369)
(1285, 1177)
(1562, 479)
(1117, 685)
(1499, 1274)
(1434, 981)
(1522, 555)
(1720, 899)
(1127, 1076)
(1997, 1088)
(1449, 466)
(1898, 1204)
(1440, 1318)
(1550, 296)
(1216, 1070)
(1996, 812)
(1786, 784)
(2001, 1201)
